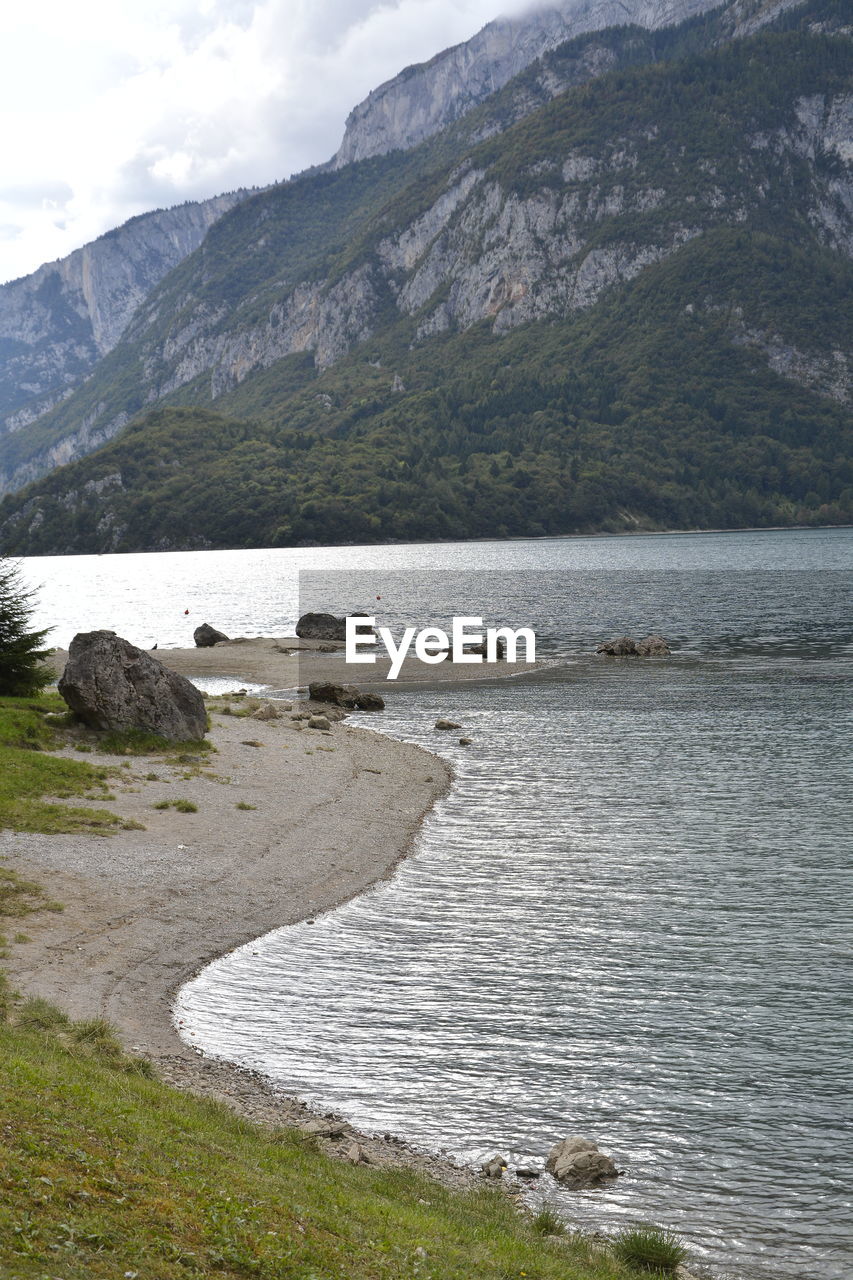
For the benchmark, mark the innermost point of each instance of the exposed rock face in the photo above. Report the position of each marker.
(56, 323)
(345, 695)
(484, 248)
(423, 99)
(111, 684)
(206, 636)
(578, 1162)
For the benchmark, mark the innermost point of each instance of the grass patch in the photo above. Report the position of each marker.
(138, 742)
(649, 1249)
(20, 898)
(182, 806)
(547, 1223)
(103, 1171)
(241, 804)
(29, 729)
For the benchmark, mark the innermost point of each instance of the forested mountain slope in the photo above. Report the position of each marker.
(629, 308)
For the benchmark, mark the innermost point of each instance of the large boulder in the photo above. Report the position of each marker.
(113, 685)
(324, 626)
(321, 626)
(345, 695)
(578, 1162)
(207, 636)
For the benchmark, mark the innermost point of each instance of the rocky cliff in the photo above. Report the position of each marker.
(58, 322)
(424, 99)
(611, 156)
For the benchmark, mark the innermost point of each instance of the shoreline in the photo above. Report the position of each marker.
(332, 814)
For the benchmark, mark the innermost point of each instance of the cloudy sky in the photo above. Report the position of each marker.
(112, 107)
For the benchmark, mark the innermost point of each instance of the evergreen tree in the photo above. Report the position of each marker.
(22, 671)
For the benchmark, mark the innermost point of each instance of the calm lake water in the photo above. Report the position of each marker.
(628, 920)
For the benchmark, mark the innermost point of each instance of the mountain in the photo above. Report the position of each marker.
(614, 295)
(423, 99)
(56, 323)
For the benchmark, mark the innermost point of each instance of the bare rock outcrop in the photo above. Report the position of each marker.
(111, 684)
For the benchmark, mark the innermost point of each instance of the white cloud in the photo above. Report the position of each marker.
(109, 108)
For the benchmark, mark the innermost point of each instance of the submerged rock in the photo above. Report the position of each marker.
(627, 647)
(111, 684)
(579, 1162)
(447, 724)
(621, 647)
(653, 647)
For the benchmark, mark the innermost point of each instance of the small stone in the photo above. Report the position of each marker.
(465, 742)
(527, 1173)
(319, 722)
(322, 1129)
(494, 1168)
(447, 724)
(267, 712)
(355, 1154)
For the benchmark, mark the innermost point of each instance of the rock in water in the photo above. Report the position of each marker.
(345, 695)
(207, 636)
(653, 647)
(622, 647)
(113, 685)
(579, 1162)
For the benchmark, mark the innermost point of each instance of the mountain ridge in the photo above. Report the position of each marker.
(58, 321)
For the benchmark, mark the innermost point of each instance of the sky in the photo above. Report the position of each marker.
(109, 108)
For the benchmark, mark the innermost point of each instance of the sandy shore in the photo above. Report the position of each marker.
(288, 663)
(144, 910)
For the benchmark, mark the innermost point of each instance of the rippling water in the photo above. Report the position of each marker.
(628, 918)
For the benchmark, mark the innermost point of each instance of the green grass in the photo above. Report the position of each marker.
(28, 773)
(649, 1249)
(103, 1171)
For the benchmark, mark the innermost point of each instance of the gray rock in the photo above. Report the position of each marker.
(447, 724)
(321, 626)
(653, 647)
(111, 684)
(465, 742)
(324, 626)
(356, 1154)
(621, 647)
(269, 711)
(494, 1168)
(319, 722)
(345, 695)
(206, 636)
(323, 1129)
(578, 1162)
